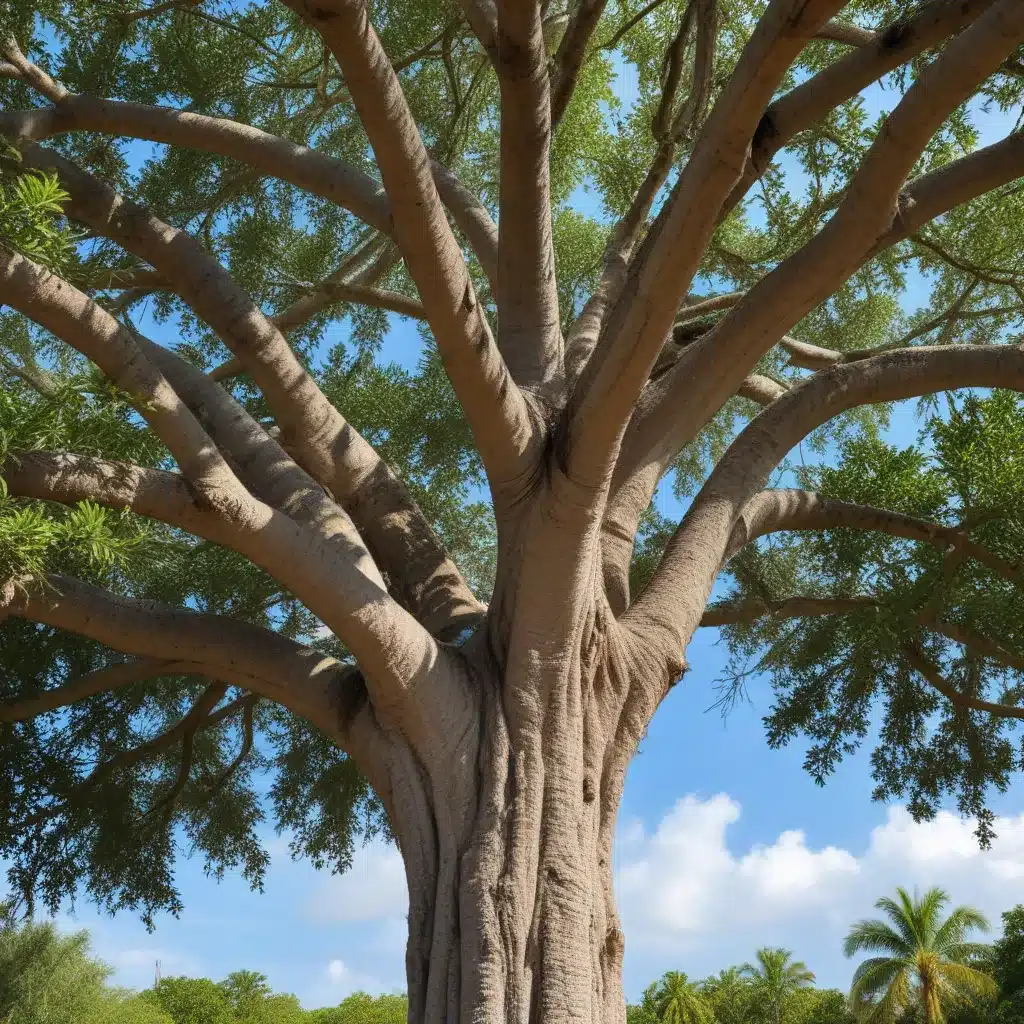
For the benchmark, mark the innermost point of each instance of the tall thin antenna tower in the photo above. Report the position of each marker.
(156, 983)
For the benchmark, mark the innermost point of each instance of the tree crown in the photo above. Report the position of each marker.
(236, 565)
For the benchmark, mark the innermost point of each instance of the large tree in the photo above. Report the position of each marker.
(1008, 967)
(258, 568)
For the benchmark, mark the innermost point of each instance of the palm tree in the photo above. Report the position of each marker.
(927, 961)
(728, 995)
(677, 1000)
(774, 978)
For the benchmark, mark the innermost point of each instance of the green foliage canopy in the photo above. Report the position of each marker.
(1008, 967)
(361, 1008)
(46, 977)
(118, 832)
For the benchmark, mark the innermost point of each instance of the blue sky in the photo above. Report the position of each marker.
(724, 846)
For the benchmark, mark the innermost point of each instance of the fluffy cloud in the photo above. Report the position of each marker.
(701, 885)
(344, 981)
(689, 901)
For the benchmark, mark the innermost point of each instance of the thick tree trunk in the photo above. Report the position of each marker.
(508, 850)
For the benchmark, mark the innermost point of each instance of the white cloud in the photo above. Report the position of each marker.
(689, 901)
(337, 970)
(373, 889)
(699, 884)
(344, 981)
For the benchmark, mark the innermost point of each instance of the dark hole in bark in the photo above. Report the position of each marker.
(896, 35)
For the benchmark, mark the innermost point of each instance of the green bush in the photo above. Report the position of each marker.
(121, 1007)
(192, 1001)
(46, 977)
(360, 1008)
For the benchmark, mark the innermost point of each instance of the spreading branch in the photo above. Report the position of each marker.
(726, 613)
(186, 730)
(931, 674)
(101, 680)
(729, 613)
(335, 576)
(779, 510)
(761, 389)
(183, 730)
(229, 650)
(703, 539)
(811, 101)
(324, 441)
(528, 328)
(319, 297)
(483, 20)
(74, 317)
(585, 331)
(572, 50)
(472, 218)
(248, 739)
(663, 269)
(21, 68)
(495, 408)
(330, 446)
(845, 32)
(271, 155)
(876, 212)
(422, 576)
(931, 195)
(128, 17)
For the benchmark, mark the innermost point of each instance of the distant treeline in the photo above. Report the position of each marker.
(916, 964)
(50, 978)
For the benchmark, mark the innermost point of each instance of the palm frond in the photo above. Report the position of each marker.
(896, 999)
(875, 974)
(967, 981)
(873, 935)
(927, 913)
(960, 922)
(901, 914)
(973, 954)
(798, 973)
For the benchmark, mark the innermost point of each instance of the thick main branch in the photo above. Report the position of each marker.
(495, 408)
(703, 540)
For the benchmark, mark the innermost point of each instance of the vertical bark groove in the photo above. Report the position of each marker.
(508, 839)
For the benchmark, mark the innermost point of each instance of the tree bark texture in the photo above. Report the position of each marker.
(508, 845)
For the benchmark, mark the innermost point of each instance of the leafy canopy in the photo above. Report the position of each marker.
(835, 679)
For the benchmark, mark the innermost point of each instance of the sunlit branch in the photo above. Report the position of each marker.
(529, 333)
(705, 536)
(635, 330)
(495, 408)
